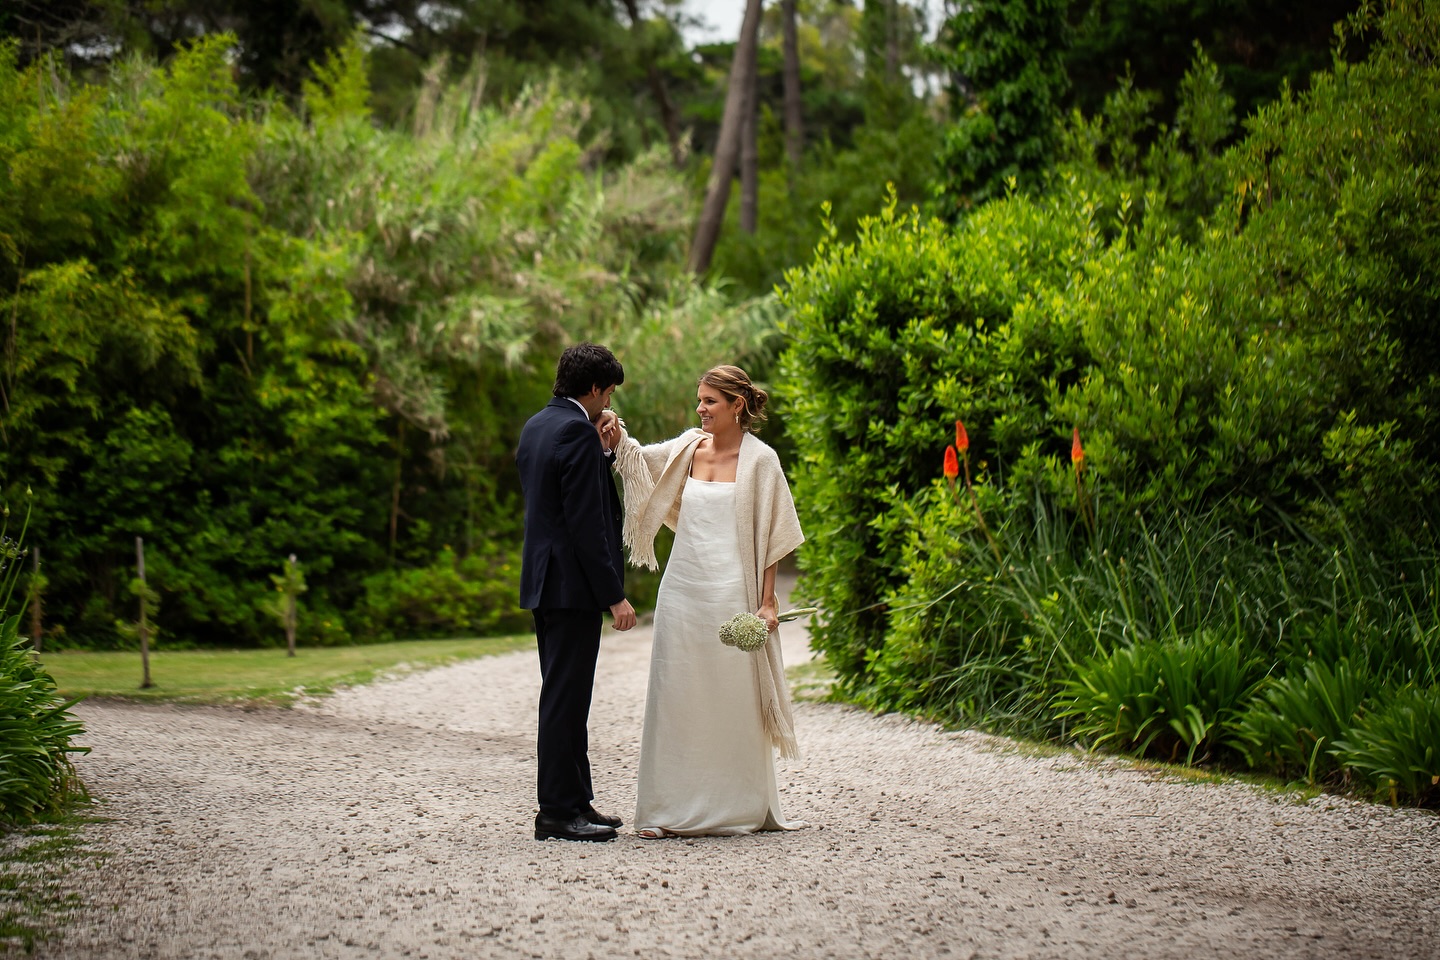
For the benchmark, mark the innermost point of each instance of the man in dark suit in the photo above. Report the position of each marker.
(572, 570)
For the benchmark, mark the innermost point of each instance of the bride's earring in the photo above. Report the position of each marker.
(737, 418)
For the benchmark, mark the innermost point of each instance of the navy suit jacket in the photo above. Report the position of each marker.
(572, 556)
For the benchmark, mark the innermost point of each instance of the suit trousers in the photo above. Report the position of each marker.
(569, 644)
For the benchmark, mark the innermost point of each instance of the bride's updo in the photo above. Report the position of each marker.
(733, 382)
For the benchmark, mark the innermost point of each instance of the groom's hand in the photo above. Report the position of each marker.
(624, 615)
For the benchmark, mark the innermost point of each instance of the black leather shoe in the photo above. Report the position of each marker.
(576, 828)
(602, 819)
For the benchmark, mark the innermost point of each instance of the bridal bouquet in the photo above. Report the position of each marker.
(748, 632)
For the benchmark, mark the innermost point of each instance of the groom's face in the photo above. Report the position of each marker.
(596, 400)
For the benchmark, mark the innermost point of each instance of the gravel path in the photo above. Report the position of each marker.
(394, 821)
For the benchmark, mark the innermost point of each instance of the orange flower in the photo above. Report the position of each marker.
(952, 465)
(1077, 452)
(962, 439)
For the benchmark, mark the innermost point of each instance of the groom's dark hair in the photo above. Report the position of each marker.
(585, 366)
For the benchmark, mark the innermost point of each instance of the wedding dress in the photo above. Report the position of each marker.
(706, 765)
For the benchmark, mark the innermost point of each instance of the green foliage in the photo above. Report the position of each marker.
(283, 606)
(481, 244)
(836, 188)
(867, 121)
(245, 334)
(38, 732)
(450, 597)
(36, 727)
(1159, 698)
(1395, 747)
(1243, 360)
(1296, 721)
(171, 372)
(1259, 47)
(893, 332)
(340, 89)
(1007, 59)
(146, 605)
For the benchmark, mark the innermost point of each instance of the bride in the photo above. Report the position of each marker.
(714, 714)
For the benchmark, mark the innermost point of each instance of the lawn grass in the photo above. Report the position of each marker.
(265, 676)
(34, 860)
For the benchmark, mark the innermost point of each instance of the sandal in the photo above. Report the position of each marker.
(656, 833)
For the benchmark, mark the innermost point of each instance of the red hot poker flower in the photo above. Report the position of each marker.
(952, 465)
(1077, 452)
(962, 439)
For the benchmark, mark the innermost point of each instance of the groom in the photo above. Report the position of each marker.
(571, 572)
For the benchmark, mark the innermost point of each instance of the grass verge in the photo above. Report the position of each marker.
(260, 677)
(811, 679)
(34, 859)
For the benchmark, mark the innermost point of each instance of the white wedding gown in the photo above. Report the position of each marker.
(706, 765)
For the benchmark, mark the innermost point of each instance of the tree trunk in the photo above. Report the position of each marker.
(656, 79)
(750, 152)
(794, 117)
(727, 149)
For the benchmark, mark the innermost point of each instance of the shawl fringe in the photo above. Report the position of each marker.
(638, 485)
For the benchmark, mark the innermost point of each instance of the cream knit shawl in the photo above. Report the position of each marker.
(768, 528)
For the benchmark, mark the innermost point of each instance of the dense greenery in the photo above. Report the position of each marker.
(1009, 56)
(243, 333)
(1255, 388)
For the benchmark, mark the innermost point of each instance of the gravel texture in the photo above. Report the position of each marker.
(394, 820)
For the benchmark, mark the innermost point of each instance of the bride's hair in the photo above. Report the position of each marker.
(733, 382)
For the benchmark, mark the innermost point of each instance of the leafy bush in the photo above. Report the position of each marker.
(1162, 698)
(36, 727)
(449, 597)
(1296, 720)
(1008, 58)
(1395, 747)
(889, 335)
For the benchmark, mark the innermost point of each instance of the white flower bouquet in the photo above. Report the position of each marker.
(747, 632)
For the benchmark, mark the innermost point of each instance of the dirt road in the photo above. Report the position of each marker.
(394, 821)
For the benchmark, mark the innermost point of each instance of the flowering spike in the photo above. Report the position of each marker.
(952, 465)
(962, 439)
(1077, 452)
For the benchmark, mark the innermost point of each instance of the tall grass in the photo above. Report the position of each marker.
(36, 728)
(1172, 635)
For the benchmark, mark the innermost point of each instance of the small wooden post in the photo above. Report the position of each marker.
(145, 683)
(36, 621)
(290, 616)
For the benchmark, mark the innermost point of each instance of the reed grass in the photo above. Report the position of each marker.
(1174, 636)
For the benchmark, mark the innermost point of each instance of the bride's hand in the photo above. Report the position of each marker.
(608, 426)
(768, 613)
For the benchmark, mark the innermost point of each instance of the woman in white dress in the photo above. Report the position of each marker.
(714, 714)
